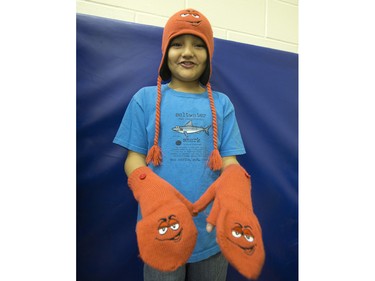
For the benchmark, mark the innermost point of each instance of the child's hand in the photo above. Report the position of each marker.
(238, 231)
(166, 233)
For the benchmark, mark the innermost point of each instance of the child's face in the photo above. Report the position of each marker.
(187, 58)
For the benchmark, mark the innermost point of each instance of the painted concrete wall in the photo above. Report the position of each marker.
(266, 23)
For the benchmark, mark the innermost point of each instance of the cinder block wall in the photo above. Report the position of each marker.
(266, 23)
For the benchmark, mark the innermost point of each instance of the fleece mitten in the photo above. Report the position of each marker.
(238, 231)
(166, 234)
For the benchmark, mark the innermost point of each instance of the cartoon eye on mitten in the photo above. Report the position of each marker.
(166, 234)
(238, 231)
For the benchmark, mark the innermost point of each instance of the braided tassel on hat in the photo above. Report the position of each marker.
(154, 155)
(214, 161)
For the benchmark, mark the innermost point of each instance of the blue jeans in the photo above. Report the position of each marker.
(211, 269)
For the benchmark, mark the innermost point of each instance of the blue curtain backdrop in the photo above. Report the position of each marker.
(114, 60)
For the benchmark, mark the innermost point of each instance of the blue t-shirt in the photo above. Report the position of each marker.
(186, 142)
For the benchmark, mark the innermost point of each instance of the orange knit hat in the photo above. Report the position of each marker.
(188, 21)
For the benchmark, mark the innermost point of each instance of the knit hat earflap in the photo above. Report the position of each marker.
(188, 21)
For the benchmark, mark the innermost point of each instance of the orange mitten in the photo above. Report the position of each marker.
(238, 231)
(166, 233)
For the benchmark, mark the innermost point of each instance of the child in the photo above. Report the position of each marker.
(179, 137)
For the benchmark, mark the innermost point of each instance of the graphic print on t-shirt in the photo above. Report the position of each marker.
(189, 128)
(190, 138)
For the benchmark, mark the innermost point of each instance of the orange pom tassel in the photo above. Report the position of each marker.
(215, 162)
(154, 155)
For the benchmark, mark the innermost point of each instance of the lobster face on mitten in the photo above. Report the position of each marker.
(238, 231)
(166, 233)
(240, 238)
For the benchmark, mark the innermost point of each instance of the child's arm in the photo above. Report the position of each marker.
(166, 234)
(229, 160)
(133, 161)
(238, 231)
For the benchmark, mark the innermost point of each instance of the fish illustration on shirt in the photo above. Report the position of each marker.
(189, 128)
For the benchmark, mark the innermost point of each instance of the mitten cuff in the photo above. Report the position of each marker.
(236, 169)
(138, 176)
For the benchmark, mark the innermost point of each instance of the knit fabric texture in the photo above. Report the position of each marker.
(238, 231)
(166, 234)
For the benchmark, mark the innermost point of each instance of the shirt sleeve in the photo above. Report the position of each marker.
(132, 132)
(231, 141)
